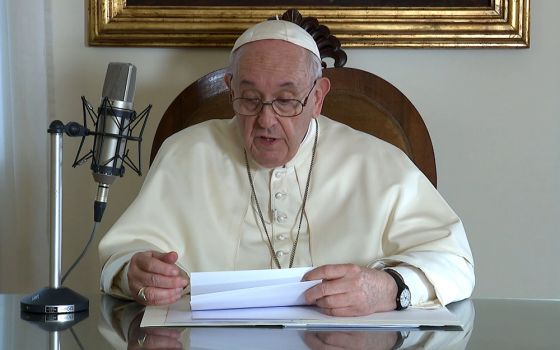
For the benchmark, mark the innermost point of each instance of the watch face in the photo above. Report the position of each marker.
(405, 298)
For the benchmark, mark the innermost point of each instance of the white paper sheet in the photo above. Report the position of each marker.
(180, 314)
(272, 298)
(245, 289)
(219, 281)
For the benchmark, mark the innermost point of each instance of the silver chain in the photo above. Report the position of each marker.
(270, 245)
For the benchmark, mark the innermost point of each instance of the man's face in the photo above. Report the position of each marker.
(275, 69)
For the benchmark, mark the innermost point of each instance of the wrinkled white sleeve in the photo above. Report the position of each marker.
(427, 244)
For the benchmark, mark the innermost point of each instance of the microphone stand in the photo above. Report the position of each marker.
(55, 303)
(55, 307)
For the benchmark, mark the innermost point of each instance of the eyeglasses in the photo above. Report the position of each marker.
(284, 107)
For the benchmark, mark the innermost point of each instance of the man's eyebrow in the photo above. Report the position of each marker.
(246, 82)
(287, 84)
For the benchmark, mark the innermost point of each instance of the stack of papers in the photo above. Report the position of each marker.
(181, 315)
(273, 298)
(248, 289)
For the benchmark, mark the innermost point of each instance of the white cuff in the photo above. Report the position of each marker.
(113, 280)
(421, 290)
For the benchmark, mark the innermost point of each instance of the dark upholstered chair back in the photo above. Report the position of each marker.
(357, 98)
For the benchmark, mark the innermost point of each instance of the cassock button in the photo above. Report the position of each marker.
(280, 195)
(281, 218)
(281, 237)
(280, 253)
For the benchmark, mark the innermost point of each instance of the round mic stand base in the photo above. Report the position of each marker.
(54, 301)
(54, 309)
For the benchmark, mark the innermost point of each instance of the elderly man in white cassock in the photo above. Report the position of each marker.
(280, 186)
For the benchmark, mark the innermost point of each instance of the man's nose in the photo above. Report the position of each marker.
(267, 117)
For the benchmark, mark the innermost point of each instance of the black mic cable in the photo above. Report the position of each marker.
(75, 263)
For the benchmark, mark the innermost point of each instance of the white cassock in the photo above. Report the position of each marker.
(368, 204)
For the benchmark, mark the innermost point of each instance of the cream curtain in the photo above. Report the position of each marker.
(24, 147)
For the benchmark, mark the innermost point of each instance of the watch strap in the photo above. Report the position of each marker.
(401, 287)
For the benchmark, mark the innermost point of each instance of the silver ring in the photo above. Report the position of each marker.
(142, 339)
(142, 295)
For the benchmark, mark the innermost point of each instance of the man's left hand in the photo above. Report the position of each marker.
(351, 290)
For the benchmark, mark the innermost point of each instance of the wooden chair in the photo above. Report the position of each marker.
(357, 98)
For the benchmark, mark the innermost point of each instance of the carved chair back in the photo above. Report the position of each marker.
(357, 98)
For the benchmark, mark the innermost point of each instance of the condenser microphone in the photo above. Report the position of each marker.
(114, 124)
(114, 118)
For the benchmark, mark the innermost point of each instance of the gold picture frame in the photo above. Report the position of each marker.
(505, 23)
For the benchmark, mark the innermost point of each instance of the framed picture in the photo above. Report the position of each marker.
(373, 23)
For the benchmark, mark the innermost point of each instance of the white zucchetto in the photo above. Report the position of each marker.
(278, 30)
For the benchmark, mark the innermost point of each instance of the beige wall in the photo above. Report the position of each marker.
(493, 116)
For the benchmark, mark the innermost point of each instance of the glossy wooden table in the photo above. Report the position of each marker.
(113, 324)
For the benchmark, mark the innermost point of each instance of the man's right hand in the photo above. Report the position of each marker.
(156, 272)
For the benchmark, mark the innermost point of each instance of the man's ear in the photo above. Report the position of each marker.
(227, 80)
(322, 87)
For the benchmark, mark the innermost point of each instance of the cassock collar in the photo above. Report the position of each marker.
(305, 150)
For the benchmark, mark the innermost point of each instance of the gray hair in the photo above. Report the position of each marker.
(315, 66)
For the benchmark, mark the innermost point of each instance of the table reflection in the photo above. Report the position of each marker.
(352, 339)
(153, 338)
(500, 324)
(120, 325)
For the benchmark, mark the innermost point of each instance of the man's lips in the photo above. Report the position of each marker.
(266, 139)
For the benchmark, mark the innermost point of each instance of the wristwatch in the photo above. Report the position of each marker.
(401, 337)
(403, 293)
